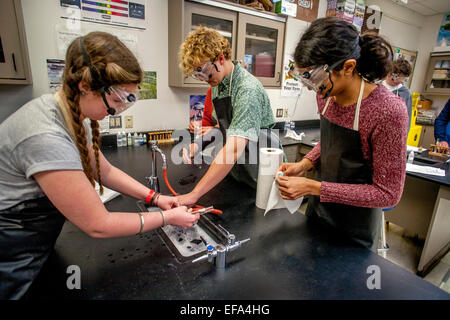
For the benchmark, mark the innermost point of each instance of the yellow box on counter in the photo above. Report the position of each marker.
(425, 104)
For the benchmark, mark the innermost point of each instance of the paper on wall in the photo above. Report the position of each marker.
(65, 34)
(290, 87)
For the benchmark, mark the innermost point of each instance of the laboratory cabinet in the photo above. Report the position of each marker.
(256, 38)
(14, 61)
(437, 80)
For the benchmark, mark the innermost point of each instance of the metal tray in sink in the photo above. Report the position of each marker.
(188, 244)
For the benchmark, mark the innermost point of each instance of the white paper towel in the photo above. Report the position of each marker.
(269, 161)
(276, 202)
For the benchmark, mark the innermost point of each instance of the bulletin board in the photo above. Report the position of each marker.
(410, 56)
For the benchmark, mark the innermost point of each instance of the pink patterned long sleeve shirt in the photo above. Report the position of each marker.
(383, 126)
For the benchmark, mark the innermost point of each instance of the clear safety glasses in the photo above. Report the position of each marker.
(205, 72)
(313, 79)
(118, 100)
(396, 77)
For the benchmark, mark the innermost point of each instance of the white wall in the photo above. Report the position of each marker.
(171, 108)
(401, 26)
(409, 30)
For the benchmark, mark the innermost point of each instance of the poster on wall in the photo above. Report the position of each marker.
(113, 12)
(55, 68)
(148, 87)
(197, 105)
(290, 87)
(64, 37)
(307, 10)
(443, 39)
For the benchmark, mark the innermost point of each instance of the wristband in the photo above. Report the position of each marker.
(150, 196)
(152, 200)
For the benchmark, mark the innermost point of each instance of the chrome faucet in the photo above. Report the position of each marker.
(218, 254)
(153, 179)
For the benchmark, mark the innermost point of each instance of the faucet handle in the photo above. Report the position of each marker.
(209, 256)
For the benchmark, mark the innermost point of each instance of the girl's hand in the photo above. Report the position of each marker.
(292, 188)
(166, 202)
(181, 217)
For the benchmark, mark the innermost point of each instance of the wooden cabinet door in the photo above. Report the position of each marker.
(11, 60)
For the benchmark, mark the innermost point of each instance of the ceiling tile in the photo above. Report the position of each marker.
(440, 6)
(425, 11)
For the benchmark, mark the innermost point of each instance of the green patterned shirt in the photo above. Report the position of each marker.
(251, 105)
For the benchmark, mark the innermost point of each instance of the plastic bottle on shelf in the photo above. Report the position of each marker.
(135, 139)
(287, 125)
(411, 157)
(140, 139)
(124, 139)
(292, 125)
(129, 139)
(119, 139)
(144, 139)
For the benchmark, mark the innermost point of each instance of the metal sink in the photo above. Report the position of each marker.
(188, 244)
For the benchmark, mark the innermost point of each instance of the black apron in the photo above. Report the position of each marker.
(248, 172)
(28, 233)
(341, 161)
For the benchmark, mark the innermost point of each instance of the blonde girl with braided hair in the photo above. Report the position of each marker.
(50, 160)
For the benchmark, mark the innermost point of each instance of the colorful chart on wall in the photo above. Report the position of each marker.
(114, 12)
(410, 56)
(148, 87)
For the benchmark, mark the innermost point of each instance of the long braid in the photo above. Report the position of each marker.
(80, 135)
(95, 146)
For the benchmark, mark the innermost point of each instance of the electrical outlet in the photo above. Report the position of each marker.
(128, 122)
(115, 122)
(286, 112)
(279, 113)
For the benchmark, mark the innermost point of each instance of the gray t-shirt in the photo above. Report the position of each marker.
(34, 139)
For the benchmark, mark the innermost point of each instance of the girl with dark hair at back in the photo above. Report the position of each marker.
(48, 167)
(360, 159)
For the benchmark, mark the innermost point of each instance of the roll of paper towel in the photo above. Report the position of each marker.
(269, 161)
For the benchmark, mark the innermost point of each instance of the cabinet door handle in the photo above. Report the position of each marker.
(14, 62)
(279, 77)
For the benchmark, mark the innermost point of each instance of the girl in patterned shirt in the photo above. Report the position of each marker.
(361, 158)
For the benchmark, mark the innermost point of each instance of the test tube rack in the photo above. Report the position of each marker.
(163, 137)
(434, 151)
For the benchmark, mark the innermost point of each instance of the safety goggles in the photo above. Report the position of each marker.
(204, 72)
(313, 79)
(397, 77)
(117, 99)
